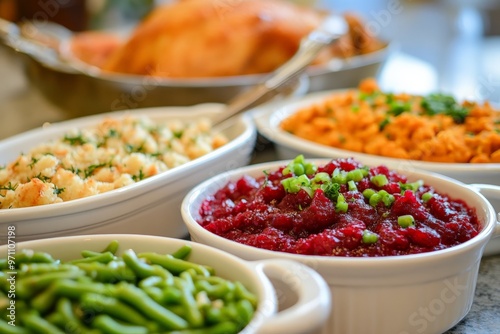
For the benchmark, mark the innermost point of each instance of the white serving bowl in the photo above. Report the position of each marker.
(150, 206)
(309, 312)
(383, 294)
(288, 146)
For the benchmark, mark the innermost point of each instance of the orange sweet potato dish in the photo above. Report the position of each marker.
(429, 128)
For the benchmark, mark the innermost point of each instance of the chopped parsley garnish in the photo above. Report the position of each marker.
(33, 162)
(134, 149)
(58, 191)
(396, 108)
(41, 177)
(9, 186)
(75, 140)
(435, 104)
(91, 169)
(369, 97)
(139, 176)
(384, 123)
(332, 191)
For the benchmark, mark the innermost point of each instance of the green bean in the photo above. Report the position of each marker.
(113, 307)
(218, 291)
(175, 266)
(171, 294)
(105, 257)
(211, 279)
(131, 293)
(229, 312)
(202, 299)
(33, 321)
(30, 256)
(178, 310)
(112, 247)
(5, 328)
(89, 253)
(135, 296)
(155, 281)
(42, 268)
(28, 286)
(155, 293)
(242, 292)
(143, 269)
(108, 273)
(65, 308)
(245, 310)
(193, 314)
(183, 252)
(110, 326)
(213, 315)
(56, 319)
(4, 301)
(187, 280)
(4, 264)
(45, 299)
(72, 289)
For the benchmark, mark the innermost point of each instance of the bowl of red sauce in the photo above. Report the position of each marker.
(399, 249)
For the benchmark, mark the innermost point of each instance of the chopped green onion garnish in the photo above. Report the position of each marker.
(308, 190)
(310, 168)
(368, 192)
(374, 199)
(294, 184)
(406, 221)
(299, 167)
(379, 180)
(369, 237)
(321, 178)
(352, 185)
(339, 176)
(341, 199)
(386, 198)
(427, 196)
(414, 186)
(355, 175)
(341, 207)
(331, 190)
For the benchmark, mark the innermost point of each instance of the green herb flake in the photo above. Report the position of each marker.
(435, 104)
(75, 140)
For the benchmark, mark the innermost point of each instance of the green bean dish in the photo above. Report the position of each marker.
(103, 292)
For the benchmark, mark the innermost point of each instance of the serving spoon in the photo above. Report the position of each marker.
(331, 29)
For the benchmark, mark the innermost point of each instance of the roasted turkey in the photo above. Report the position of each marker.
(214, 38)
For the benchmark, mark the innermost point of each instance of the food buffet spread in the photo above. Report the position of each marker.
(129, 210)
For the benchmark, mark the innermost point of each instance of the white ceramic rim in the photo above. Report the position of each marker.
(138, 188)
(354, 262)
(268, 120)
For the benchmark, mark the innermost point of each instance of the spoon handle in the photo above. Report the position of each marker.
(332, 28)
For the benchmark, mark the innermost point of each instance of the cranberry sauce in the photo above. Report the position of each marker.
(339, 209)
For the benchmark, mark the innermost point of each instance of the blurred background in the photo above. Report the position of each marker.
(451, 46)
(458, 39)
